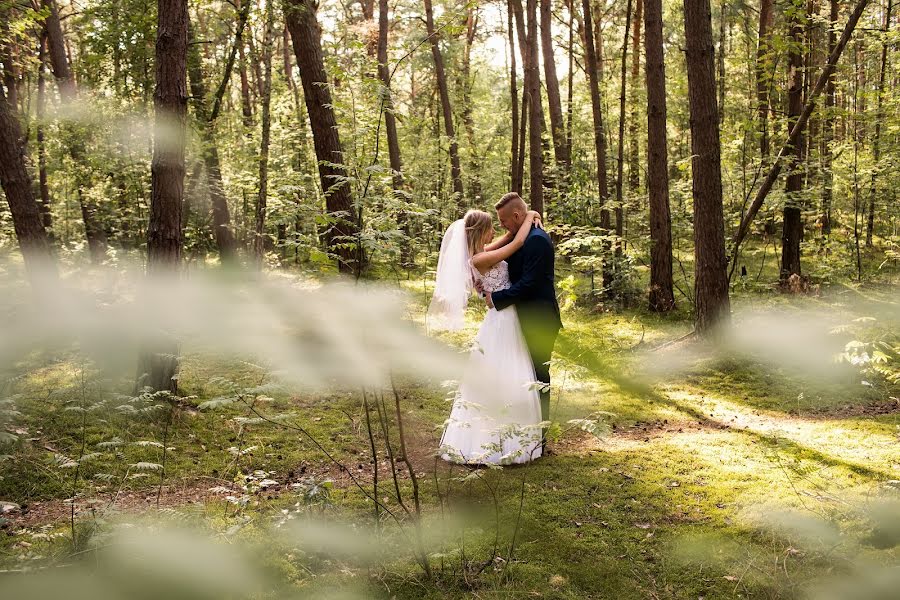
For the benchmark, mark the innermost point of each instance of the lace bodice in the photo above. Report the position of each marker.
(497, 277)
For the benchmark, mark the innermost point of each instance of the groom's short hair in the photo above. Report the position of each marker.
(508, 198)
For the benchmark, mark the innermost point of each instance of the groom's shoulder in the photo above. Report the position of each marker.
(538, 235)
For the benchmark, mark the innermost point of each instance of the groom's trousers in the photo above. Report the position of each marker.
(540, 336)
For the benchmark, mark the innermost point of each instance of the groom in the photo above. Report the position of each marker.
(532, 291)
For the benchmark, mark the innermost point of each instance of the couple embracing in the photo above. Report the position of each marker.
(502, 404)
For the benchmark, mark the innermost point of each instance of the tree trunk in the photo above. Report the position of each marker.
(879, 115)
(68, 91)
(390, 125)
(14, 177)
(590, 59)
(246, 105)
(620, 157)
(763, 75)
(10, 74)
(167, 168)
(792, 227)
(468, 121)
(596, 109)
(828, 125)
(662, 296)
(571, 77)
(219, 202)
(259, 240)
(515, 175)
(158, 364)
(524, 112)
(554, 101)
(449, 130)
(535, 114)
(46, 216)
(711, 302)
(634, 165)
(342, 236)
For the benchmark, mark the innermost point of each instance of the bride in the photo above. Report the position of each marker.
(496, 415)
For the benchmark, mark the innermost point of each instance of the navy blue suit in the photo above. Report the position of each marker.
(534, 295)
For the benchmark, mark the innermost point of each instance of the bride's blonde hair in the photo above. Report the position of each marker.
(477, 222)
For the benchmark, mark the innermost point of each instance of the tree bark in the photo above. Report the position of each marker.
(762, 75)
(390, 125)
(554, 101)
(468, 120)
(246, 105)
(620, 157)
(711, 302)
(10, 72)
(259, 240)
(590, 51)
(828, 125)
(449, 129)
(16, 182)
(164, 236)
(342, 236)
(535, 113)
(634, 165)
(596, 111)
(158, 363)
(206, 122)
(879, 115)
(662, 296)
(515, 175)
(792, 226)
(68, 91)
(46, 216)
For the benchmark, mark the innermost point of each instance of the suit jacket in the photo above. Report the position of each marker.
(532, 291)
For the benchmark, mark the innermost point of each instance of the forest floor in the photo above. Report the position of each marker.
(679, 470)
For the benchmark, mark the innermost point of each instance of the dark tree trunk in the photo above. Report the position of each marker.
(596, 110)
(535, 113)
(662, 296)
(7, 55)
(879, 115)
(342, 238)
(634, 165)
(792, 227)
(261, 238)
(515, 175)
(828, 125)
(571, 77)
(390, 125)
(554, 101)
(158, 363)
(30, 233)
(164, 236)
(763, 75)
(468, 120)
(711, 302)
(591, 65)
(246, 104)
(522, 38)
(449, 129)
(219, 202)
(68, 91)
(620, 157)
(46, 216)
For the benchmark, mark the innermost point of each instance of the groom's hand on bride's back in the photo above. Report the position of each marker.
(479, 286)
(488, 300)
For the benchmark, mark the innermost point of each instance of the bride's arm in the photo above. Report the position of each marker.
(499, 242)
(487, 259)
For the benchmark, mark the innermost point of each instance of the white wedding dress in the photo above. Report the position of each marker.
(496, 416)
